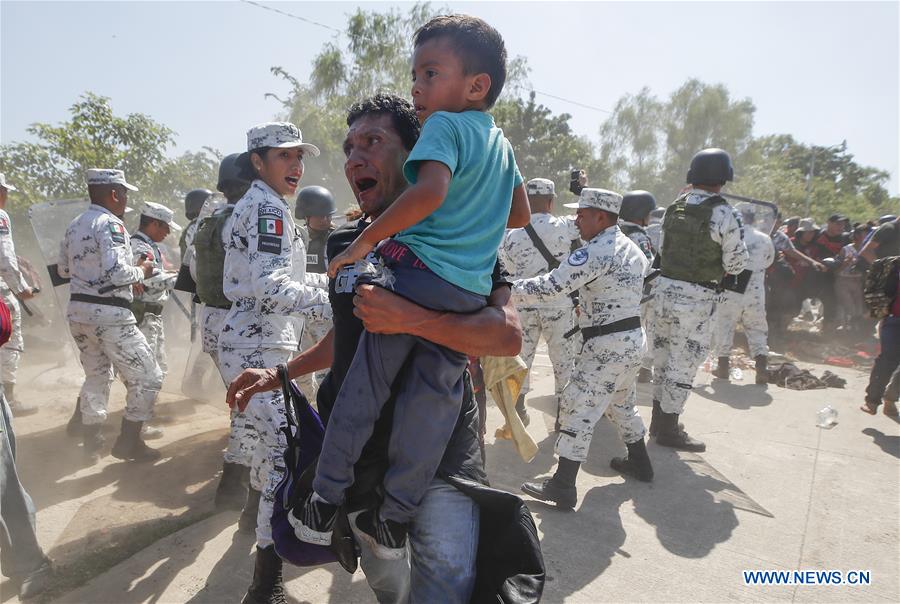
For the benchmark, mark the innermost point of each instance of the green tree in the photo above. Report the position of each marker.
(53, 167)
(631, 141)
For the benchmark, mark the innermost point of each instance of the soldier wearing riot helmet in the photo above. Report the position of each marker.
(193, 203)
(702, 240)
(316, 205)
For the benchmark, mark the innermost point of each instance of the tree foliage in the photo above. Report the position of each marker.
(94, 137)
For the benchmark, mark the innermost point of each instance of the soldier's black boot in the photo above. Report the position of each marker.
(636, 463)
(231, 492)
(560, 489)
(93, 441)
(654, 419)
(129, 446)
(247, 521)
(762, 369)
(645, 376)
(672, 434)
(522, 411)
(267, 586)
(723, 369)
(73, 428)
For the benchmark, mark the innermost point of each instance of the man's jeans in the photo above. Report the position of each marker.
(443, 543)
(886, 362)
(21, 552)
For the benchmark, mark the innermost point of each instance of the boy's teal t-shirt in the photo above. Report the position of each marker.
(459, 240)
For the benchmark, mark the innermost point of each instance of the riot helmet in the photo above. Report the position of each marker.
(194, 200)
(710, 167)
(637, 205)
(314, 201)
(230, 172)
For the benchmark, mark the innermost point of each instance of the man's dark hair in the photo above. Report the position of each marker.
(403, 115)
(479, 46)
(146, 221)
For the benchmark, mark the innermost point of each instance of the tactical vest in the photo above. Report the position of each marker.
(209, 252)
(688, 251)
(315, 251)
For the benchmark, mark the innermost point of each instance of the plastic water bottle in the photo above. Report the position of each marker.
(736, 374)
(826, 417)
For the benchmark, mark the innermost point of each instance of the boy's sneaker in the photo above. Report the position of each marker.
(313, 521)
(386, 538)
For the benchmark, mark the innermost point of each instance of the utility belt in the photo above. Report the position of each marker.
(103, 301)
(149, 308)
(219, 306)
(713, 285)
(607, 328)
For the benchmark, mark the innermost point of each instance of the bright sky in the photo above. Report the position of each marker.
(821, 71)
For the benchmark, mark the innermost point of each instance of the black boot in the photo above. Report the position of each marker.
(129, 445)
(636, 463)
(93, 441)
(522, 411)
(560, 489)
(267, 586)
(723, 369)
(73, 428)
(762, 369)
(231, 492)
(654, 419)
(672, 434)
(645, 376)
(247, 521)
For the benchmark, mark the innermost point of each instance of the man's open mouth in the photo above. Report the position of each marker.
(364, 184)
(292, 180)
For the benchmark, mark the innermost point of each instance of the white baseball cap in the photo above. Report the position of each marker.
(161, 213)
(105, 176)
(601, 199)
(5, 184)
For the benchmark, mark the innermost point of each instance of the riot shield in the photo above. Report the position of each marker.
(755, 212)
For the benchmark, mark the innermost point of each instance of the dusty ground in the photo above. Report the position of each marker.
(772, 492)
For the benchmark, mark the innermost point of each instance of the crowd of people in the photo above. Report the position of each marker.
(452, 256)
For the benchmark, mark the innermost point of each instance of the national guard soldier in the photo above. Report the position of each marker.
(207, 257)
(265, 279)
(609, 274)
(156, 222)
(316, 205)
(532, 251)
(749, 308)
(702, 240)
(13, 287)
(193, 203)
(637, 206)
(96, 256)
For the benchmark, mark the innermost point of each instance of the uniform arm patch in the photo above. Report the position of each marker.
(117, 233)
(4, 226)
(270, 244)
(578, 257)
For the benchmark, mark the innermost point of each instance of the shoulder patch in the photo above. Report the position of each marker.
(271, 226)
(269, 244)
(4, 225)
(266, 210)
(117, 232)
(578, 257)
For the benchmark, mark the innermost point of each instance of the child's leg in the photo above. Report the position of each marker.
(363, 393)
(426, 409)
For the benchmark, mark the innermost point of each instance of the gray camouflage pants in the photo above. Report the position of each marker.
(553, 323)
(681, 339)
(124, 347)
(750, 310)
(314, 329)
(603, 378)
(266, 413)
(152, 328)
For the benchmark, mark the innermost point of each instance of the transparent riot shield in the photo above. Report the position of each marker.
(757, 213)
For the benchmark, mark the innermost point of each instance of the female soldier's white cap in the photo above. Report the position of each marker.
(280, 135)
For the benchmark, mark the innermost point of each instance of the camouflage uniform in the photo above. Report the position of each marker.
(684, 311)
(609, 275)
(552, 317)
(11, 281)
(749, 308)
(641, 237)
(96, 251)
(156, 292)
(265, 278)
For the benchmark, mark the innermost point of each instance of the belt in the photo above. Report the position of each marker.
(607, 328)
(120, 302)
(219, 306)
(713, 285)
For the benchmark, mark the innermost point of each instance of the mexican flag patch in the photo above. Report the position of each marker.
(117, 231)
(271, 226)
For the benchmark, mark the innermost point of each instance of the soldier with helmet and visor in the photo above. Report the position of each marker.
(702, 240)
(317, 207)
